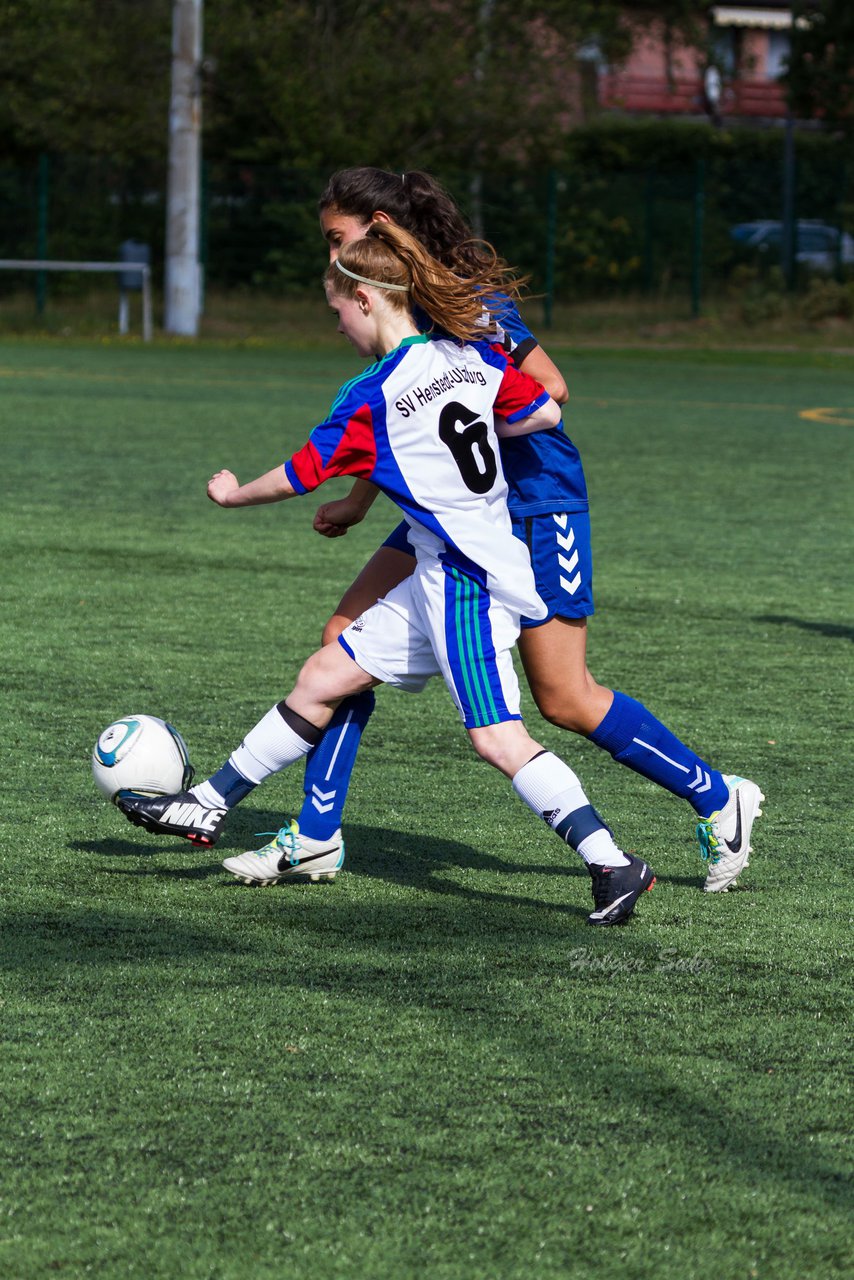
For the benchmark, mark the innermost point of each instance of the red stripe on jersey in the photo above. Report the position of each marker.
(355, 454)
(517, 391)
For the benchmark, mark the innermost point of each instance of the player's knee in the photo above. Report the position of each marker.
(334, 627)
(560, 707)
(487, 749)
(576, 709)
(506, 746)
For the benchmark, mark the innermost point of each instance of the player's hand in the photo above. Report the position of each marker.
(333, 519)
(221, 485)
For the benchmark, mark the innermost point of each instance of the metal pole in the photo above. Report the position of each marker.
(551, 237)
(182, 202)
(697, 247)
(648, 229)
(146, 304)
(789, 229)
(481, 57)
(41, 231)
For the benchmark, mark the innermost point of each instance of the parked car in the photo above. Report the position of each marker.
(819, 246)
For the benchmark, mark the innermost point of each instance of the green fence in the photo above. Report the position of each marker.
(610, 222)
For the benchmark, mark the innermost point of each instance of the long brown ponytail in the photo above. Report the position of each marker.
(390, 256)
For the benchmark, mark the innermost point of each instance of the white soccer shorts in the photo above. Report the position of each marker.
(441, 621)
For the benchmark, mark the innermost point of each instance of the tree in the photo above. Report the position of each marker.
(820, 74)
(84, 76)
(336, 83)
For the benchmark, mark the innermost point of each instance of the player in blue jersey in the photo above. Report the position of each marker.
(418, 424)
(549, 506)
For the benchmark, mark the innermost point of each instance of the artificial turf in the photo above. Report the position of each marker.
(433, 1067)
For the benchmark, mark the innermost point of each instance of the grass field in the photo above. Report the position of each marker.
(433, 1067)
(247, 315)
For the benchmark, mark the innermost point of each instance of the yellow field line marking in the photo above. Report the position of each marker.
(832, 417)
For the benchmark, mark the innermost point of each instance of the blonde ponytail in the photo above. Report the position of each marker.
(389, 257)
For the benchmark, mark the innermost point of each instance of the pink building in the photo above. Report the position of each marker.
(747, 48)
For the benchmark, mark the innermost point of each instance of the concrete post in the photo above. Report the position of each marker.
(182, 292)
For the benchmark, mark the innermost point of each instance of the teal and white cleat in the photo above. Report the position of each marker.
(289, 856)
(725, 836)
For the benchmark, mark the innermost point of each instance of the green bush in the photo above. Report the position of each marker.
(827, 299)
(760, 295)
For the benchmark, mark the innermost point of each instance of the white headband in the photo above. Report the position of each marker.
(378, 284)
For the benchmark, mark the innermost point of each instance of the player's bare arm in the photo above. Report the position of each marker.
(542, 419)
(333, 519)
(226, 490)
(538, 365)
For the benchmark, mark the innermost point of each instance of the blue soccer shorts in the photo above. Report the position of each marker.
(559, 547)
(398, 539)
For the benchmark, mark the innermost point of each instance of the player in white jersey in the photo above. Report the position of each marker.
(419, 424)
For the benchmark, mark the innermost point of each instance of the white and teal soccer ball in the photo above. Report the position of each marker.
(141, 754)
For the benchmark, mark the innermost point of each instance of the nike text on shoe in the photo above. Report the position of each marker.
(289, 856)
(178, 815)
(617, 889)
(725, 836)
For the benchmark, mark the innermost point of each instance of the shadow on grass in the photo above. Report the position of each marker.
(833, 630)
(379, 853)
(455, 966)
(47, 941)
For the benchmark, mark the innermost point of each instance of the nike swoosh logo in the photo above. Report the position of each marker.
(284, 865)
(611, 905)
(734, 846)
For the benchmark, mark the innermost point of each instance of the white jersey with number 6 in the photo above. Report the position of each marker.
(419, 425)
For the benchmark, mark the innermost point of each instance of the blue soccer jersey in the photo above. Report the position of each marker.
(543, 470)
(419, 425)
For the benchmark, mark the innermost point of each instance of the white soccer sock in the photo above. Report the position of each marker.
(554, 793)
(208, 795)
(271, 746)
(600, 850)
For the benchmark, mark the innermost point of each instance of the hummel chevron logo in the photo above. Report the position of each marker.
(702, 777)
(322, 801)
(193, 815)
(567, 563)
(572, 586)
(734, 845)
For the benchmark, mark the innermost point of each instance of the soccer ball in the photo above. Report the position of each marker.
(141, 754)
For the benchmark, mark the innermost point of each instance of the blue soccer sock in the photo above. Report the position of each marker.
(280, 738)
(633, 737)
(329, 766)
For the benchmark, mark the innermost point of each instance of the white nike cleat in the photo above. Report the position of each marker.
(725, 836)
(289, 856)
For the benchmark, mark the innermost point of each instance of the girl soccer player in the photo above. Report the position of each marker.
(419, 425)
(549, 510)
